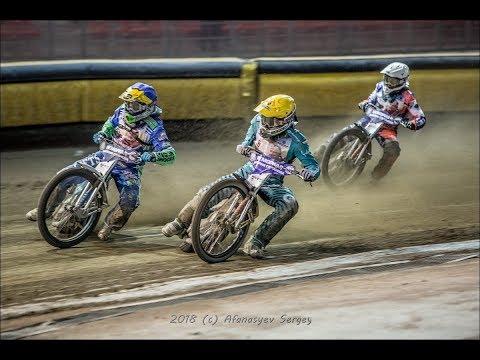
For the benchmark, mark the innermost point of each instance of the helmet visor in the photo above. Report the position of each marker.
(272, 122)
(392, 82)
(135, 107)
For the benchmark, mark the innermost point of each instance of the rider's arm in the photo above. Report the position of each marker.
(251, 132)
(414, 118)
(163, 152)
(303, 154)
(109, 126)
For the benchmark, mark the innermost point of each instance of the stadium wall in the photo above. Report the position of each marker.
(62, 92)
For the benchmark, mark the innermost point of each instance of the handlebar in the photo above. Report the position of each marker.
(294, 172)
(382, 115)
(103, 144)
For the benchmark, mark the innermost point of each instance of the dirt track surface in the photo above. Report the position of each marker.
(430, 196)
(433, 302)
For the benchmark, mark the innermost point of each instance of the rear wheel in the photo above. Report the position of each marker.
(60, 225)
(213, 236)
(338, 163)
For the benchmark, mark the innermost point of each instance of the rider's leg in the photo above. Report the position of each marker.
(181, 224)
(128, 185)
(391, 151)
(286, 206)
(184, 218)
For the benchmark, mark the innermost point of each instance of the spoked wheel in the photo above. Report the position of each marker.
(213, 235)
(341, 164)
(60, 219)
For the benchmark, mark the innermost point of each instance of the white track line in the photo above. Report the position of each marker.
(209, 283)
(463, 258)
(51, 325)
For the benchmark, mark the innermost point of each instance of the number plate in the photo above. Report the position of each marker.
(372, 128)
(104, 166)
(256, 179)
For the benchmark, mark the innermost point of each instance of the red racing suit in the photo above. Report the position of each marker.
(397, 104)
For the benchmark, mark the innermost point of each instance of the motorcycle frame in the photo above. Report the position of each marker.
(103, 180)
(253, 191)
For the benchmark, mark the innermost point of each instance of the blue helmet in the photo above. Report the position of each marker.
(139, 101)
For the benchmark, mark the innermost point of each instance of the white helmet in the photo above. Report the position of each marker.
(395, 77)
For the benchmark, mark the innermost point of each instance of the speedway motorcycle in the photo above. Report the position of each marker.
(219, 227)
(71, 203)
(348, 151)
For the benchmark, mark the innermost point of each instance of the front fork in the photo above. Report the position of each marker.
(362, 151)
(356, 152)
(251, 198)
(82, 211)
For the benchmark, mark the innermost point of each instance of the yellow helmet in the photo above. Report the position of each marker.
(278, 106)
(277, 114)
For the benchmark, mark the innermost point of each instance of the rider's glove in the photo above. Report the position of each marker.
(307, 175)
(362, 104)
(407, 124)
(147, 157)
(98, 137)
(395, 121)
(244, 150)
(366, 107)
(164, 157)
(392, 121)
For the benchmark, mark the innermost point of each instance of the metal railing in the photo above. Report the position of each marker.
(29, 40)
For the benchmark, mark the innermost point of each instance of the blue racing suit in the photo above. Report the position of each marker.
(146, 135)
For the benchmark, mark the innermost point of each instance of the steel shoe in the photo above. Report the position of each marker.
(186, 245)
(254, 248)
(104, 233)
(32, 215)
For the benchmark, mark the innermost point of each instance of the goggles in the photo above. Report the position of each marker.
(135, 107)
(274, 122)
(392, 82)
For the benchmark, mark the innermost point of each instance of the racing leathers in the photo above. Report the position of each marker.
(401, 105)
(145, 136)
(287, 146)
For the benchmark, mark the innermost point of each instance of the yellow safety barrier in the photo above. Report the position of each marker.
(331, 94)
(318, 94)
(94, 100)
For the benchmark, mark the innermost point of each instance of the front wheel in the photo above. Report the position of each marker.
(213, 235)
(58, 218)
(341, 164)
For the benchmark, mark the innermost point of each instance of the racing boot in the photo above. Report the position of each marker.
(174, 227)
(32, 215)
(254, 248)
(104, 233)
